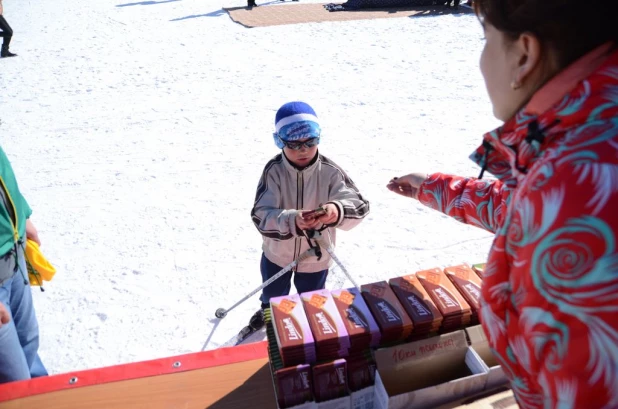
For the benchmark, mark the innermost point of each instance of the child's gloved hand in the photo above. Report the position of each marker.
(306, 224)
(4, 315)
(331, 216)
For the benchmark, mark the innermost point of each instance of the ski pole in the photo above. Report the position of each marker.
(322, 243)
(313, 251)
(334, 257)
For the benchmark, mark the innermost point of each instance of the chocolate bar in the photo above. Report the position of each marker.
(418, 304)
(329, 331)
(394, 323)
(455, 310)
(362, 328)
(294, 337)
(361, 371)
(469, 285)
(330, 380)
(293, 385)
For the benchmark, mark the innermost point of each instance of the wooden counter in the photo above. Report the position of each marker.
(229, 378)
(226, 378)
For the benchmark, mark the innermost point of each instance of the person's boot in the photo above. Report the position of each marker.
(6, 53)
(257, 321)
(251, 3)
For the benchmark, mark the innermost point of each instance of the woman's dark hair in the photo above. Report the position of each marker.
(571, 28)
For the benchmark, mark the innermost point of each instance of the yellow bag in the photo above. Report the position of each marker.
(39, 269)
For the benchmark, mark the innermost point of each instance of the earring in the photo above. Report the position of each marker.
(515, 85)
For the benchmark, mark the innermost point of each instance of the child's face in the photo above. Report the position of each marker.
(302, 156)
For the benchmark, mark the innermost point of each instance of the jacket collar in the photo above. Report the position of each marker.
(290, 167)
(569, 100)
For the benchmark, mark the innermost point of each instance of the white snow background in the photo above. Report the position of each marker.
(138, 131)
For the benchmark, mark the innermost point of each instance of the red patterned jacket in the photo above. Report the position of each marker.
(550, 292)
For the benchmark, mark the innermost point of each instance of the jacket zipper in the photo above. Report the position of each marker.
(299, 205)
(14, 223)
(11, 210)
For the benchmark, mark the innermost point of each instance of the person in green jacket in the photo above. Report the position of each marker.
(19, 335)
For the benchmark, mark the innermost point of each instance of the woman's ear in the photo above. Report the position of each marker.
(528, 57)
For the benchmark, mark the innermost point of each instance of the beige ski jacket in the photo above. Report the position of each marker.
(284, 190)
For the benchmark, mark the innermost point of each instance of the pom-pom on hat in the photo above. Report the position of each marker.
(295, 120)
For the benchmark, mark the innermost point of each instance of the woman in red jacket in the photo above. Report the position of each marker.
(550, 293)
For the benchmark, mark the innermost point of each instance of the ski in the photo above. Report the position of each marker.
(242, 335)
(255, 324)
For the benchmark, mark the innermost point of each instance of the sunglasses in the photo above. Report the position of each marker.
(296, 145)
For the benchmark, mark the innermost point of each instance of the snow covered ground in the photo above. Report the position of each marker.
(139, 130)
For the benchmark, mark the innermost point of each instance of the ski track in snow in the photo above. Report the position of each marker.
(139, 130)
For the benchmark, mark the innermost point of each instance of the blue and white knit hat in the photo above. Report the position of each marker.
(295, 120)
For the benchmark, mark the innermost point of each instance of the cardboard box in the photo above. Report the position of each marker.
(363, 399)
(500, 399)
(480, 344)
(361, 379)
(428, 373)
(339, 403)
(306, 405)
(503, 400)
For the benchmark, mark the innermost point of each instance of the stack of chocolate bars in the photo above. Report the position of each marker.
(293, 385)
(426, 317)
(469, 285)
(395, 324)
(455, 311)
(361, 371)
(330, 380)
(362, 328)
(294, 337)
(329, 331)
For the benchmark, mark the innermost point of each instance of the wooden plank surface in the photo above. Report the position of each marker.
(238, 385)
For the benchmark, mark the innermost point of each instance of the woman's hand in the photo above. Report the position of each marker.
(408, 185)
(31, 232)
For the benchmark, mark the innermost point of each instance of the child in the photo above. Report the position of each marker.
(300, 178)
